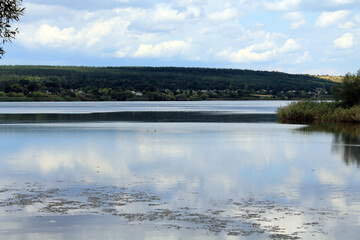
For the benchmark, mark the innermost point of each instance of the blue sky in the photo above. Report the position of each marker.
(295, 36)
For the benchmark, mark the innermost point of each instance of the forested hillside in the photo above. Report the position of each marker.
(53, 83)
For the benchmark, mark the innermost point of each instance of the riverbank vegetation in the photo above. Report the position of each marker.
(346, 108)
(51, 83)
(311, 111)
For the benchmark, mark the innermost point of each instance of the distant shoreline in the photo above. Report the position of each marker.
(55, 83)
(15, 99)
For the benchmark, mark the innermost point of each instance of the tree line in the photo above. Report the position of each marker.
(60, 83)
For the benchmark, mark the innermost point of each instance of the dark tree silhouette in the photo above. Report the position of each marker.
(10, 11)
(349, 91)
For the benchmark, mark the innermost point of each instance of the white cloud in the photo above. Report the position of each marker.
(310, 5)
(123, 52)
(347, 25)
(97, 31)
(290, 46)
(164, 49)
(357, 18)
(163, 18)
(326, 19)
(55, 37)
(193, 11)
(259, 25)
(52, 36)
(260, 52)
(223, 15)
(345, 42)
(341, 2)
(159, 29)
(304, 58)
(184, 3)
(297, 19)
(41, 11)
(282, 5)
(327, 177)
(353, 23)
(48, 35)
(248, 54)
(164, 13)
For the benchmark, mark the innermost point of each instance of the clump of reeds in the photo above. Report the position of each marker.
(312, 111)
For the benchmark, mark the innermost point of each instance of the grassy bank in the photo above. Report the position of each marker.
(310, 111)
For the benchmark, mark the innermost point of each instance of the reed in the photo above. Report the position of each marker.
(312, 111)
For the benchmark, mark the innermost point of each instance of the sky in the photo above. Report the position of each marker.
(294, 36)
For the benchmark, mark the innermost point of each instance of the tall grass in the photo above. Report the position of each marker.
(310, 111)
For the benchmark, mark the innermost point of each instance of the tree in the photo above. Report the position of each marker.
(10, 10)
(349, 90)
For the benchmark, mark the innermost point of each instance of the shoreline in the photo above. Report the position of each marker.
(142, 100)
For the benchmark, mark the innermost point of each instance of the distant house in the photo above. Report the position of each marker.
(137, 93)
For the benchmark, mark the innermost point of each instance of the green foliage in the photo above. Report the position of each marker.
(157, 84)
(349, 90)
(181, 97)
(311, 111)
(10, 10)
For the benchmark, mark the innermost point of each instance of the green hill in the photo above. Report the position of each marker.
(153, 83)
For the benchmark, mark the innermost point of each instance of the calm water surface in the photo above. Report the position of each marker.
(188, 170)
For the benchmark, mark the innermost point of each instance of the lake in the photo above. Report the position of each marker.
(174, 170)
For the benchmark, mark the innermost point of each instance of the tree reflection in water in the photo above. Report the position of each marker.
(346, 139)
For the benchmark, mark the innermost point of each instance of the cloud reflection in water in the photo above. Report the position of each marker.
(187, 164)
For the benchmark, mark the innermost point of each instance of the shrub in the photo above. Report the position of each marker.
(349, 90)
